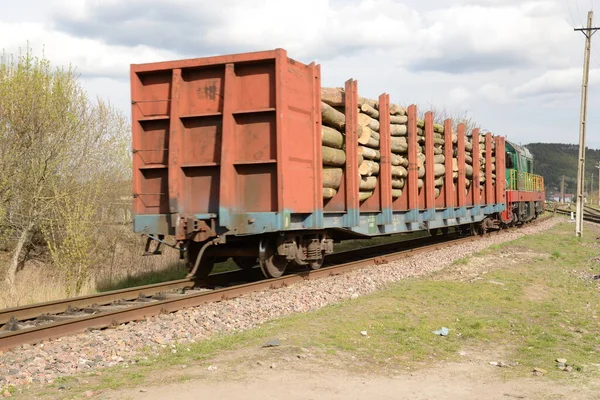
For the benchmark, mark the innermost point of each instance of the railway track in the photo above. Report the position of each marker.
(43, 321)
(590, 214)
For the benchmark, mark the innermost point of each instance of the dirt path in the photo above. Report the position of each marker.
(306, 379)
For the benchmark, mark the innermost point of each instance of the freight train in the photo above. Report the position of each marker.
(246, 156)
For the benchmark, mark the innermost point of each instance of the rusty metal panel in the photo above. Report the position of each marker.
(352, 184)
(385, 173)
(475, 190)
(300, 136)
(489, 190)
(461, 186)
(413, 167)
(449, 189)
(429, 176)
(226, 135)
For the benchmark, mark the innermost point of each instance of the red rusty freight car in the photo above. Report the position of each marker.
(228, 160)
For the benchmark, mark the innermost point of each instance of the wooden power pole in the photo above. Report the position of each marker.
(562, 189)
(588, 32)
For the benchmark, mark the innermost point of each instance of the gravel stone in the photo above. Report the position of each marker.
(95, 350)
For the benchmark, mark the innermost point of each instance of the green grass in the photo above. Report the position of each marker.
(536, 310)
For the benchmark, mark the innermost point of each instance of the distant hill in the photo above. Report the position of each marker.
(553, 160)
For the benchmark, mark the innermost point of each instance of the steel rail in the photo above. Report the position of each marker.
(59, 306)
(10, 340)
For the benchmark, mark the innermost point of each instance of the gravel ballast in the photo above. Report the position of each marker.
(95, 350)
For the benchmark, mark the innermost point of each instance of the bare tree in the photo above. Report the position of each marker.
(61, 157)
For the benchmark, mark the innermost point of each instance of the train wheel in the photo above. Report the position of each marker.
(271, 264)
(314, 265)
(245, 262)
(433, 231)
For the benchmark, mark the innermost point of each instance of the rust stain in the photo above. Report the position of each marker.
(210, 90)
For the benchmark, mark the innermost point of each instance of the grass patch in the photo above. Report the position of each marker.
(461, 261)
(538, 307)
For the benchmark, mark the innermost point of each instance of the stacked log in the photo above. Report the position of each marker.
(439, 158)
(369, 154)
(369, 147)
(333, 149)
(482, 166)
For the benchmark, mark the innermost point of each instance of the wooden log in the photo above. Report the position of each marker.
(333, 157)
(437, 192)
(468, 170)
(368, 168)
(421, 172)
(399, 171)
(468, 146)
(398, 119)
(420, 184)
(454, 164)
(362, 196)
(468, 159)
(439, 170)
(368, 183)
(399, 144)
(333, 96)
(438, 141)
(336, 97)
(369, 137)
(395, 109)
(420, 123)
(371, 111)
(365, 120)
(332, 177)
(332, 117)
(329, 193)
(398, 183)
(369, 153)
(439, 182)
(370, 102)
(438, 151)
(395, 159)
(331, 137)
(438, 128)
(439, 159)
(420, 160)
(396, 193)
(398, 130)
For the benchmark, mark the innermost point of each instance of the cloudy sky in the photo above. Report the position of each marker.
(515, 66)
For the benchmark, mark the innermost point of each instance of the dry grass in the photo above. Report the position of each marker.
(121, 266)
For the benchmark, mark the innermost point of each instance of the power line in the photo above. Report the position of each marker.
(578, 12)
(570, 12)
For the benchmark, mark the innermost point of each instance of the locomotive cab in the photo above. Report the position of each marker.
(525, 190)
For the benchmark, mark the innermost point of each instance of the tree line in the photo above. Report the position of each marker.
(64, 158)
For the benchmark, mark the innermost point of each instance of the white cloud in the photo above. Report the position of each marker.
(495, 93)
(564, 81)
(492, 57)
(459, 95)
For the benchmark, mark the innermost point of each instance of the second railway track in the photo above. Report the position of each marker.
(43, 321)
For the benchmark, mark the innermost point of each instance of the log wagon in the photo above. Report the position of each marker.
(247, 156)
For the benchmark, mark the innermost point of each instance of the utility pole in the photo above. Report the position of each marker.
(588, 32)
(598, 166)
(591, 186)
(562, 190)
